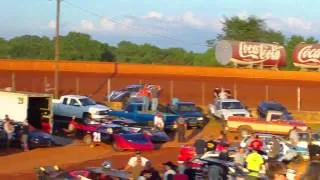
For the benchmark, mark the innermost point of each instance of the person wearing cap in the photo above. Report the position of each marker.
(133, 160)
(169, 168)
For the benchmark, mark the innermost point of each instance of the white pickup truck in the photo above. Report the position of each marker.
(79, 106)
(224, 108)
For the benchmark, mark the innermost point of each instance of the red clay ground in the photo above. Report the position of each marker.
(21, 165)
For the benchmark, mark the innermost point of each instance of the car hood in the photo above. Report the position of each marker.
(190, 114)
(235, 111)
(98, 107)
(137, 138)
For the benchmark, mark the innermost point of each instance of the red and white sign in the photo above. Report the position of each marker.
(250, 53)
(306, 55)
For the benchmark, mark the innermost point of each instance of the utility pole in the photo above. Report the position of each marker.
(57, 51)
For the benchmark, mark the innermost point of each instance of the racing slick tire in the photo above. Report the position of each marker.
(87, 139)
(116, 148)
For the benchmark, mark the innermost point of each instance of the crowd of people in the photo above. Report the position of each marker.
(149, 95)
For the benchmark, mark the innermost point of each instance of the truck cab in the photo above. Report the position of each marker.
(80, 107)
(133, 111)
(193, 116)
(224, 108)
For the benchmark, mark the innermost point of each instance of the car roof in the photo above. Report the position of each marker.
(229, 100)
(134, 85)
(185, 102)
(271, 104)
(75, 96)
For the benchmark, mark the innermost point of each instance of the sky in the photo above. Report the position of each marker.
(165, 23)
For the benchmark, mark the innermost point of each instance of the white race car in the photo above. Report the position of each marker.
(287, 151)
(302, 145)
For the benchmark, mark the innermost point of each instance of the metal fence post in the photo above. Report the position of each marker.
(298, 98)
(235, 93)
(13, 81)
(171, 89)
(203, 85)
(77, 86)
(267, 92)
(109, 88)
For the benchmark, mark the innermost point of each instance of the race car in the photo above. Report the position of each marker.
(302, 145)
(266, 106)
(36, 138)
(105, 172)
(288, 152)
(121, 137)
(123, 95)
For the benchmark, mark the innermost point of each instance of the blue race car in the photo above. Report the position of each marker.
(266, 106)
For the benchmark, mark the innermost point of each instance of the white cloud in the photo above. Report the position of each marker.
(154, 15)
(87, 25)
(52, 24)
(107, 24)
(189, 18)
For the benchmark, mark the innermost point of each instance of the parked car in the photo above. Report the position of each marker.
(272, 124)
(287, 151)
(225, 108)
(194, 117)
(133, 111)
(80, 107)
(302, 145)
(265, 106)
(124, 94)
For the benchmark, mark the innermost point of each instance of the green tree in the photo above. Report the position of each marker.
(250, 29)
(31, 47)
(4, 48)
(291, 43)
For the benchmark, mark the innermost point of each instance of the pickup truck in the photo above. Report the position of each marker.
(79, 106)
(274, 124)
(188, 110)
(134, 112)
(266, 106)
(224, 108)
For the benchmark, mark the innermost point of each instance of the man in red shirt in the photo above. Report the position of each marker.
(256, 144)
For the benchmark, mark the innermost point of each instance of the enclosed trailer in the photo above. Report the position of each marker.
(34, 107)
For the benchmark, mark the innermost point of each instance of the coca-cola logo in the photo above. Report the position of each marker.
(260, 52)
(308, 54)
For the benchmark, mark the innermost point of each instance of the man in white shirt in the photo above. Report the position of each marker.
(223, 94)
(169, 170)
(293, 136)
(133, 160)
(158, 121)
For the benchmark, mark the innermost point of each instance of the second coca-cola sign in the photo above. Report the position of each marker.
(258, 52)
(306, 54)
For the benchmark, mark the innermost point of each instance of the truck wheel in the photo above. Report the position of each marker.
(244, 130)
(87, 139)
(116, 148)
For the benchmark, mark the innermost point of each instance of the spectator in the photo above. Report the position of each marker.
(133, 160)
(154, 93)
(158, 121)
(276, 170)
(189, 171)
(9, 129)
(275, 149)
(217, 172)
(149, 173)
(293, 136)
(254, 162)
(314, 151)
(201, 146)
(223, 94)
(24, 136)
(240, 156)
(144, 93)
(256, 144)
(181, 129)
(224, 155)
(180, 173)
(312, 172)
(169, 168)
(210, 144)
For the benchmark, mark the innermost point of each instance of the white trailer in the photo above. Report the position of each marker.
(34, 107)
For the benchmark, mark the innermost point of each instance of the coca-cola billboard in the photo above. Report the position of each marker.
(306, 55)
(247, 53)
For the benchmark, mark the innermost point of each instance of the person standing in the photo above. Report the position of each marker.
(240, 156)
(154, 93)
(144, 93)
(254, 162)
(169, 168)
(181, 128)
(293, 136)
(158, 121)
(275, 149)
(201, 146)
(24, 136)
(9, 129)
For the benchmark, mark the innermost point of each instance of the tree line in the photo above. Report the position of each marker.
(80, 46)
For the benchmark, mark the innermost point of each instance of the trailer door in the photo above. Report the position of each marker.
(13, 104)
